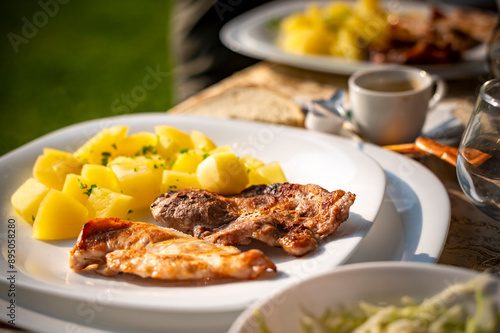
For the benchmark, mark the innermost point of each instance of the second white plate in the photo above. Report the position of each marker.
(250, 34)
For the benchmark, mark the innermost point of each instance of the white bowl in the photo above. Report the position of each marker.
(347, 285)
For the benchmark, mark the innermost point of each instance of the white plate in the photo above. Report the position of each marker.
(384, 282)
(250, 34)
(415, 200)
(42, 267)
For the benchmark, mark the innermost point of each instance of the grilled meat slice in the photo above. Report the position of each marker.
(292, 216)
(147, 250)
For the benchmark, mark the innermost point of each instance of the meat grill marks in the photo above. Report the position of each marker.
(144, 249)
(292, 216)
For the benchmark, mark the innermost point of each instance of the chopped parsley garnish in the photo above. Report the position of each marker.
(105, 157)
(146, 149)
(82, 185)
(89, 191)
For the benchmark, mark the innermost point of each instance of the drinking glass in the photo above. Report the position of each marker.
(478, 162)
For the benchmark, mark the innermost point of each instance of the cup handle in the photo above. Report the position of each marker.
(441, 88)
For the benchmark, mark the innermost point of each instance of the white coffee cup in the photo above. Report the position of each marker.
(389, 103)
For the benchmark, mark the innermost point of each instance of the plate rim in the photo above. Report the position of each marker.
(437, 210)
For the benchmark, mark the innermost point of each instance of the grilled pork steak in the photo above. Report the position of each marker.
(292, 216)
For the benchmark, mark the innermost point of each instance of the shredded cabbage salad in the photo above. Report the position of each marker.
(442, 313)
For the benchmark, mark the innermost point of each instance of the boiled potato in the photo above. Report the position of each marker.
(295, 22)
(347, 45)
(52, 167)
(175, 180)
(309, 41)
(113, 174)
(339, 28)
(167, 148)
(222, 173)
(251, 164)
(338, 12)
(78, 187)
(201, 141)
(139, 177)
(220, 149)
(255, 178)
(187, 161)
(102, 147)
(313, 12)
(368, 7)
(272, 172)
(59, 217)
(105, 203)
(28, 197)
(142, 143)
(171, 141)
(182, 139)
(101, 175)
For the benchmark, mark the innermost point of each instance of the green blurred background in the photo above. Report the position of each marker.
(63, 62)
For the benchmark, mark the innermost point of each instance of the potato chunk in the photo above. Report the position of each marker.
(77, 187)
(28, 197)
(222, 173)
(188, 161)
(101, 175)
(105, 203)
(102, 147)
(59, 217)
(52, 167)
(142, 143)
(201, 141)
(220, 149)
(171, 141)
(251, 164)
(114, 173)
(272, 172)
(182, 139)
(139, 177)
(175, 180)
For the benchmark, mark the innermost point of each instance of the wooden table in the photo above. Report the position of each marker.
(474, 238)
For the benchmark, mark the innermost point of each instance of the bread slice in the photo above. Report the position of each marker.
(251, 102)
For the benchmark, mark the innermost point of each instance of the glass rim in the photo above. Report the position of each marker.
(486, 96)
